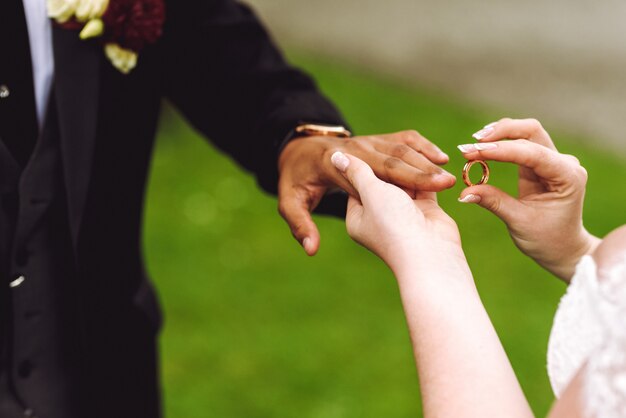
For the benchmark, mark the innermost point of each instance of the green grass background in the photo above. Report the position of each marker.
(254, 328)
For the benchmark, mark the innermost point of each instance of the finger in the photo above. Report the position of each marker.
(355, 207)
(546, 163)
(529, 129)
(357, 172)
(294, 205)
(398, 172)
(426, 196)
(342, 183)
(494, 200)
(529, 182)
(354, 216)
(422, 145)
(412, 193)
(407, 154)
(379, 154)
(426, 201)
(354, 212)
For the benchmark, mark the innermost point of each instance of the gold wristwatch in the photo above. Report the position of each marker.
(311, 129)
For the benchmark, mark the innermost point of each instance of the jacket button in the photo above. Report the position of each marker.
(17, 282)
(25, 369)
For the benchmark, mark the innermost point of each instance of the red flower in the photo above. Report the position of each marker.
(133, 23)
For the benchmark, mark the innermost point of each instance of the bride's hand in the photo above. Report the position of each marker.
(545, 220)
(405, 231)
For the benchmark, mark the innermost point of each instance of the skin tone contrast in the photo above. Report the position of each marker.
(403, 158)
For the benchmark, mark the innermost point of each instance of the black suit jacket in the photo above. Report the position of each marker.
(215, 63)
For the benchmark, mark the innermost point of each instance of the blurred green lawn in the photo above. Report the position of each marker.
(254, 328)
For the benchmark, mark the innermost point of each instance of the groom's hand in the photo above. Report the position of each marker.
(405, 159)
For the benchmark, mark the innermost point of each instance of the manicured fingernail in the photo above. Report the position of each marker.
(340, 161)
(465, 148)
(490, 125)
(470, 198)
(485, 146)
(483, 133)
(306, 244)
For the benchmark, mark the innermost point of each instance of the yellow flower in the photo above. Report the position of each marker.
(90, 12)
(122, 59)
(91, 9)
(93, 28)
(62, 10)
(82, 10)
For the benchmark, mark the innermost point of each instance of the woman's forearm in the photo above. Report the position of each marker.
(462, 366)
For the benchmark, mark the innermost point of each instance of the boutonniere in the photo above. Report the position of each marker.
(123, 26)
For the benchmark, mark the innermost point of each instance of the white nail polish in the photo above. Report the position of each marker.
(483, 133)
(340, 161)
(491, 125)
(470, 198)
(306, 243)
(465, 148)
(485, 146)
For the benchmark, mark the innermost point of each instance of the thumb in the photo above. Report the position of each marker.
(354, 216)
(357, 172)
(494, 200)
(354, 209)
(295, 208)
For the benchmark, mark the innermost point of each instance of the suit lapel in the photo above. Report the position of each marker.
(77, 82)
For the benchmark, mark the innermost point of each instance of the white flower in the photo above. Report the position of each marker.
(82, 10)
(122, 59)
(90, 12)
(93, 28)
(62, 10)
(91, 9)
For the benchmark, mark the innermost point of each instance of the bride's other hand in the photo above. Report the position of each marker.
(400, 226)
(545, 220)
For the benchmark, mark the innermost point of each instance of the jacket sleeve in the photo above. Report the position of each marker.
(227, 77)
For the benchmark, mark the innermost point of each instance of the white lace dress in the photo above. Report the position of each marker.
(590, 328)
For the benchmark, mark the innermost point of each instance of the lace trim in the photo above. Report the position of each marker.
(605, 377)
(575, 334)
(605, 382)
(590, 325)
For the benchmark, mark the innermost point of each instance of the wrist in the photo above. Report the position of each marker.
(427, 259)
(314, 129)
(308, 130)
(565, 267)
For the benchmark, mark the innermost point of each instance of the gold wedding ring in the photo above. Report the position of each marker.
(466, 170)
